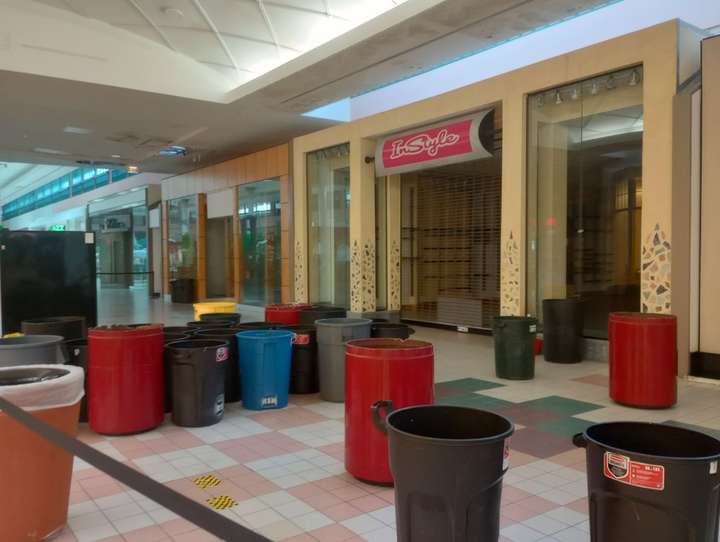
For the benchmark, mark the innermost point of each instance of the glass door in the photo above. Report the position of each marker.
(260, 237)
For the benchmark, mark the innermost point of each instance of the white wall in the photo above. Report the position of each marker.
(603, 24)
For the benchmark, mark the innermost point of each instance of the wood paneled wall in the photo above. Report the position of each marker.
(267, 164)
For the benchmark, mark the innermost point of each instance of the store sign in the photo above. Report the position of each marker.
(448, 142)
(57, 227)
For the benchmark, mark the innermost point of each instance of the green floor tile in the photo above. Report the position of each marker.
(562, 405)
(468, 385)
(473, 400)
(564, 427)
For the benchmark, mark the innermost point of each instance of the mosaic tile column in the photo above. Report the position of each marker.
(510, 277)
(656, 270)
(362, 227)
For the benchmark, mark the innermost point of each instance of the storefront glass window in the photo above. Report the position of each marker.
(182, 237)
(585, 196)
(260, 235)
(328, 188)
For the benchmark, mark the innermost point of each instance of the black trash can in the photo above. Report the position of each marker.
(76, 353)
(448, 463)
(514, 347)
(67, 327)
(174, 330)
(231, 316)
(319, 312)
(182, 290)
(304, 368)
(651, 482)
(232, 369)
(195, 324)
(197, 370)
(562, 330)
(387, 330)
(172, 337)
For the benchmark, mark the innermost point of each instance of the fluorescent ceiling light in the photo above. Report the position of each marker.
(49, 151)
(77, 130)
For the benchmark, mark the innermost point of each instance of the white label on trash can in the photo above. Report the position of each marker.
(633, 473)
(713, 467)
(506, 455)
(220, 404)
(221, 354)
(270, 400)
(533, 328)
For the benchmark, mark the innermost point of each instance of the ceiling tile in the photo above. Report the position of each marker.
(147, 32)
(238, 17)
(110, 11)
(253, 56)
(309, 5)
(173, 13)
(201, 45)
(361, 10)
(302, 30)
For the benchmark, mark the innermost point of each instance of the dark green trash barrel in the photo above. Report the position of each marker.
(514, 342)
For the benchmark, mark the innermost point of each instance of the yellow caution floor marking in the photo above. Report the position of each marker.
(207, 481)
(221, 502)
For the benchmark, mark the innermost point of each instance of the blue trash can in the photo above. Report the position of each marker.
(265, 367)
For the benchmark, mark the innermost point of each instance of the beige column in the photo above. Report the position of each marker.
(362, 226)
(709, 341)
(394, 232)
(512, 250)
(659, 89)
(201, 248)
(299, 196)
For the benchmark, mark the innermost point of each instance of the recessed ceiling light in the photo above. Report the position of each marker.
(173, 12)
(49, 151)
(77, 130)
(173, 150)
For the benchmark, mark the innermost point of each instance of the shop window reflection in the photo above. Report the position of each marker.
(260, 238)
(328, 192)
(182, 237)
(585, 196)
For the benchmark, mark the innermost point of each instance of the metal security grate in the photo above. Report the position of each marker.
(451, 244)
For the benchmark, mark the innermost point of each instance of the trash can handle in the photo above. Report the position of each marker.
(579, 440)
(377, 420)
(411, 330)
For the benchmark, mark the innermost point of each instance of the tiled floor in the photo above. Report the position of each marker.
(282, 471)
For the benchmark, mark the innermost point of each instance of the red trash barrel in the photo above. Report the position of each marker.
(125, 366)
(401, 371)
(285, 314)
(643, 359)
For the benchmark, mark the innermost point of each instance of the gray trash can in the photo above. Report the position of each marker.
(31, 350)
(332, 334)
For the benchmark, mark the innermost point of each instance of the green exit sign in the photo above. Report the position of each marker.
(57, 227)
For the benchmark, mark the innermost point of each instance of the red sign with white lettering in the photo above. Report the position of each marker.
(440, 144)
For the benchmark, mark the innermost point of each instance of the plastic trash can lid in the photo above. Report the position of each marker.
(39, 387)
(30, 341)
(261, 334)
(195, 344)
(343, 322)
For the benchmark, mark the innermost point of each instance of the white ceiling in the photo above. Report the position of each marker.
(135, 80)
(241, 39)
